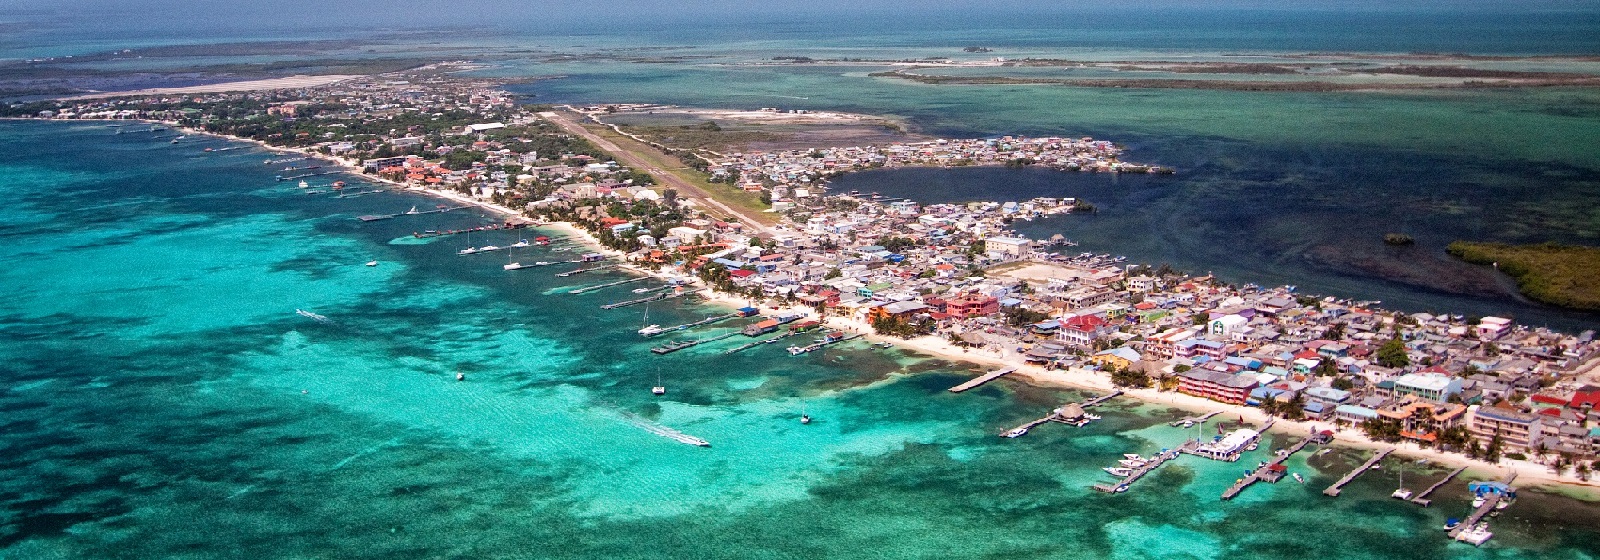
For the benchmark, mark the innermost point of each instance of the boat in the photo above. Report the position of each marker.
(312, 316)
(659, 389)
(1451, 523)
(1478, 501)
(372, 263)
(1401, 493)
(1015, 432)
(1502, 504)
(886, 344)
(1477, 535)
(486, 248)
(543, 263)
(651, 330)
(1118, 471)
(1132, 456)
(804, 418)
(412, 211)
(1132, 463)
(461, 376)
(522, 243)
(1298, 478)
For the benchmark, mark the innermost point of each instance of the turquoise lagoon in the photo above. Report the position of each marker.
(162, 399)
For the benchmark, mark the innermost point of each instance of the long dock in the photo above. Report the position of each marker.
(754, 344)
(581, 270)
(606, 285)
(1055, 416)
(1261, 472)
(1422, 498)
(1100, 399)
(798, 350)
(1192, 420)
(671, 347)
(686, 326)
(647, 299)
(1339, 486)
(980, 380)
(1138, 473)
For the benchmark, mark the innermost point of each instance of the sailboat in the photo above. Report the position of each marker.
(649, 330)
(512, 265)
(460, 376)
(470, 249)
(1401, 492)
(804, 418)
(412, 211)
(659, 389)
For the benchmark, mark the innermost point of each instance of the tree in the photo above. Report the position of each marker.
(1382, 429)
(832, 273)
(1492, 454)
(1129, 377)
(1393, 354)
(1343, 383)
(670, 195)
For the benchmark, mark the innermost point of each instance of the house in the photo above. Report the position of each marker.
(1082, 330)
(1120, 358)
(1354, 414)
(1490, 328)
(1422, 420)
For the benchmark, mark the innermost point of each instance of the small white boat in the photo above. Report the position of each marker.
(304, 184)
(1118, 471)
(461, 376)
(1015, 432)
(1299, 479)
(1401, 494)
(543, 263)
(489, 248)
(658, 390)
(640, 290)
(413, 210)
(522, 243)
(468, 251)
(1132, 463)
(515, 266)
(1502, 504)
(1477, 535)
(804, 419)
(1478, 502)
(372, 263)
(651, 330)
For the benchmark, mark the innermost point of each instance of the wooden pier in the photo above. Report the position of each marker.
(686, 326)
(761, 342)
(1339, 486)
(980, 380)
(798, 350)
(581, 270)
(606, 285)
(671, 347)
(1192, 420)
(1138, 473)
(1056, 416)
(656, 297)
(1260, 473)
(1422, 498)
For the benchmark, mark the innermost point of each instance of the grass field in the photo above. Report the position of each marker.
(748, 203)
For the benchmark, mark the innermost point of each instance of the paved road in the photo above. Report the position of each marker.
(671, 180)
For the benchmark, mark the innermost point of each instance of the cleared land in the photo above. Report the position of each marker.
(1563, 275)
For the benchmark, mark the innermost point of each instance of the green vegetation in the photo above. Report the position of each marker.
(1552, 273)
(1393, 354)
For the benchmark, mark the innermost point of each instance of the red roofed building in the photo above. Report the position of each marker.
(1587, 397)
(1082, 330)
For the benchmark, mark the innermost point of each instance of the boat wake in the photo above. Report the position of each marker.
(663, 431)
(313, 316)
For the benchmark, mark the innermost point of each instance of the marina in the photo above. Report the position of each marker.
(1489, 497)
(980, 380)
(750, 345)
(1272, 471)
(1334, 490)
(1146, 467)
(1072, 414)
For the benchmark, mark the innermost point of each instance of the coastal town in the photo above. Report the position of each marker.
(950, 279)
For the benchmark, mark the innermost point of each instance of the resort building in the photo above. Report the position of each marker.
(1216, 385)
(1518, 430)
(1433, 387)
(1226, 448)
(1006, 247)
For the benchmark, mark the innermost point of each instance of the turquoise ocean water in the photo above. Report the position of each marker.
(162, 399)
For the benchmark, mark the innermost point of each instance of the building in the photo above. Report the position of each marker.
(1490, 328)
(1517, 430)
(1422, 420)
(1121, 358)
(1216, 385)
(1006, 247)
(1431, 386)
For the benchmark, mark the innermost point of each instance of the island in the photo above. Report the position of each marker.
(1562, 275)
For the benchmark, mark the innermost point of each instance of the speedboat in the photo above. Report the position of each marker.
(1478, 502)
(1298, 478)
(1118, 471)
(651, 330)
(1477, 535)
(1015, 432)
(1132, 463)
(372, 263)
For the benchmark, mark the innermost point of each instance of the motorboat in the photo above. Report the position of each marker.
(1298, 478)
(1477, 535)
(1118, 471)
(1132, 463)
(1401, 494)
(372, 263)
(651, 330)
(1015, 432)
